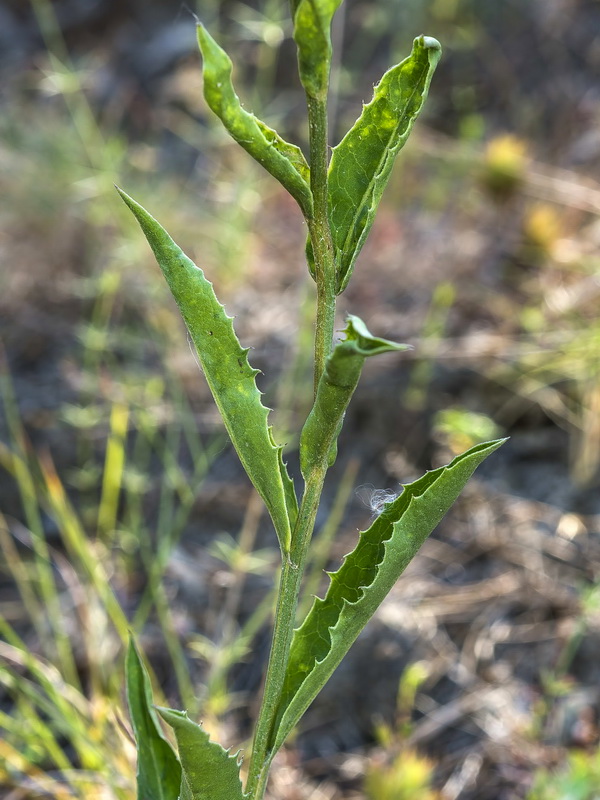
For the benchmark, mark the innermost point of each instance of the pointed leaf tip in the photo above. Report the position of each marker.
(228, 373)
(158, 770)
(362, 162)
(365, 343)
(336, 387)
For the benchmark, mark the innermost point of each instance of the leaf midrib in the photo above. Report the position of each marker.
(372, 182)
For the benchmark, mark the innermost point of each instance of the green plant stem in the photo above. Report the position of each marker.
(320, 550)
(293, 566)
(320, 233)
(285, 614)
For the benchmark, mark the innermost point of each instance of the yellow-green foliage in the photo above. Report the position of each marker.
(578, 780)
(408, 777)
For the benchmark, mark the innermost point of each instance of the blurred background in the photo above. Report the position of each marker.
(122, 506)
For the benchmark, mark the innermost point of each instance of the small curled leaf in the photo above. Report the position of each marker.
(283, 160)
(335, 389)
(362, 162)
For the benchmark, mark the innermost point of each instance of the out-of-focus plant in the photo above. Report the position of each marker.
(408, 777)
(402, 773)
(578, 780)
(504, 165)
(460, 428)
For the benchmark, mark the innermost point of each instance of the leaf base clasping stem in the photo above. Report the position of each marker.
(285, 615)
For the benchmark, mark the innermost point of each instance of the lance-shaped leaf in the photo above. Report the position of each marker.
(362, 162)
(283, 160)
(209, 771)
(336, 387)
(229, 375)
(312, 33)
(364, 579)
(158, 770)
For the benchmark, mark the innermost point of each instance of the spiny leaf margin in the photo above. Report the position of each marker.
(158, 770)
(228, 373)
(209, 772)
(283, 160)
(362, 162)
(365, 578)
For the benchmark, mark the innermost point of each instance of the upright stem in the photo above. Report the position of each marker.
(293, 566)
(285, 616)
(320, 233)
(287, 602)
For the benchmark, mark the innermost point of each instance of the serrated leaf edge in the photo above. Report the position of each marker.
(284, 535)
(424, 483)
(388, 155)
(237, 756)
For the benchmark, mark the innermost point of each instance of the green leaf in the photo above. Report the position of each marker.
(229, 375)
(362, 162)
(289, 490)
(336, 387)
(158, 770)
(312, 33)
(364, 579)
(283, 160)
(209, 772)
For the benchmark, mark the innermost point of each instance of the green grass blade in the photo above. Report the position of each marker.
(29, 729)
(209, 771)
(362, 162)
(159, 771)
(112, 476)
(229, 375)
(81, 551)
(24, 578)
(336, 387)
(365, 578)
(19, 465)
(60, 703)
(312, 34)
(283, 160)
